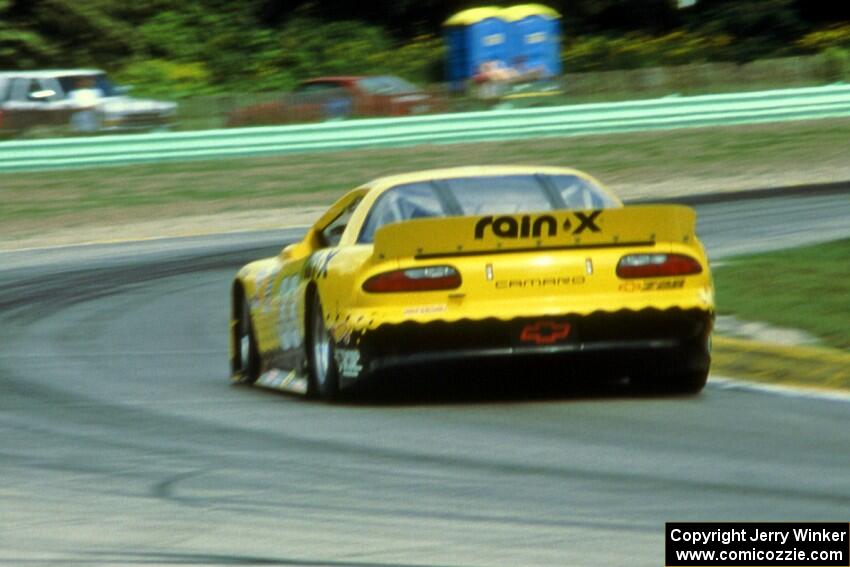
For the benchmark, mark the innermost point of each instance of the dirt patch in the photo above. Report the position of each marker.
(114, 225)
(260, 219)
(175, 199)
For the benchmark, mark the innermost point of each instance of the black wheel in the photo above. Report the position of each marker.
(324, 379)
(246, 359)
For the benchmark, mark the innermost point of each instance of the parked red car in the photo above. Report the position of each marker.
(328, 98)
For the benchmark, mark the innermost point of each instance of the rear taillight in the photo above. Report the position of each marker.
(657, 265)
(431, 278)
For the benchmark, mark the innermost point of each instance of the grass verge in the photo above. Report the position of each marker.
(693, 160)
(803, 288)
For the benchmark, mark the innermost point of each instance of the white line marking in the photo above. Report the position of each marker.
(724, 383)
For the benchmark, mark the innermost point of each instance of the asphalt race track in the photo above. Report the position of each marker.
(124, 444)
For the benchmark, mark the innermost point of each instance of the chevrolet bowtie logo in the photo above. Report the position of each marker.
(544, 332)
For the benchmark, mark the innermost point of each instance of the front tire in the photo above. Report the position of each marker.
(324, 379)
(246, 358)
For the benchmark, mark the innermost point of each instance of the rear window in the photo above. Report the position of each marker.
(318, 87)
(495, 195)
(490, 195)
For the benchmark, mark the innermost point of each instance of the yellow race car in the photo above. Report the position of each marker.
(478, 264)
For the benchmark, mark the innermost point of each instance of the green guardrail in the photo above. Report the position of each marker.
(643, 115)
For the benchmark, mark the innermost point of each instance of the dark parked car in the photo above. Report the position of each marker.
(328, 98)
(82, 100)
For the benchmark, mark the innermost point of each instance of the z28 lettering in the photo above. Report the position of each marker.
(652, 286)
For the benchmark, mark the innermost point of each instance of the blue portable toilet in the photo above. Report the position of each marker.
(534, 37)
(473, 37)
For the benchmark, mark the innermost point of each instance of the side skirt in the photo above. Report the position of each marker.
(281, 380)
(274, 377)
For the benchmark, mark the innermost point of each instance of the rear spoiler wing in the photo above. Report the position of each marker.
(492, 234)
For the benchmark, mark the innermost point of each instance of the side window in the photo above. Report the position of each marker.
(578, 193)
(20, 90)
(401, 203)
(314, 88)
(33, 90)
(34, 87)
(332, 233)
(51, 84)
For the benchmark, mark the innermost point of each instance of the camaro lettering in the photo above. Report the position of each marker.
(540, 282)
(527, 226)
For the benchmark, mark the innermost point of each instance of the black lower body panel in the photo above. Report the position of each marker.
(621, 343)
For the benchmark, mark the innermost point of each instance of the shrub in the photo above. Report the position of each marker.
(634, 50)
(835, 64)
(821, 40)
(420, 60)
(306, 48)
(160, 78)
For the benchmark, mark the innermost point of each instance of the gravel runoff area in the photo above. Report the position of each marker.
(183, 223)
(189, 225)
(175, 199)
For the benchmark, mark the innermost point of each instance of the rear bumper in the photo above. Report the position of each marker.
(622, 343)
(577, 354)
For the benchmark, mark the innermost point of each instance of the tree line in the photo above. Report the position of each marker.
(198, 46)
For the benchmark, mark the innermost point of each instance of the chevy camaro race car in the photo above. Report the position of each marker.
(478, 264)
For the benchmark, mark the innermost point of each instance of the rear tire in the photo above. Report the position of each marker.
(246, 359)
(323, 381)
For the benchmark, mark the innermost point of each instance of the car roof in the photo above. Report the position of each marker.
(370, 192)
(382, 184)
(345, 78)
(50, 73)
